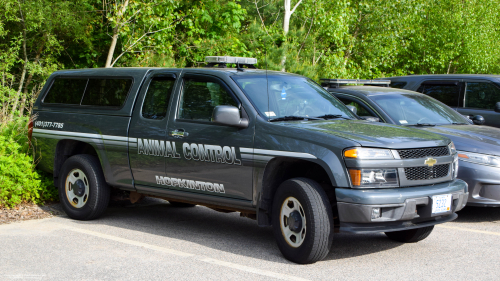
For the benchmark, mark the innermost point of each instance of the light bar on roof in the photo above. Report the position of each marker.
(227, 59)
(355, 81)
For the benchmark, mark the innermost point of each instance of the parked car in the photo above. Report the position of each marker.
(274, 146)
(470, 94)
(478, 146)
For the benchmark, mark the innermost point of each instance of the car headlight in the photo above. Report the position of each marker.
(478, 158)
(368, 153)
(452, 148)
(374, 178)
(455, 169)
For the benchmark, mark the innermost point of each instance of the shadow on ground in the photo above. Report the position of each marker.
(479, 214)
(225, 232)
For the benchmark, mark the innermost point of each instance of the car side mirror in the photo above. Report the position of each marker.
(497, 107)
(478, 119)
(229, 115)
(352, 108)
(370, 118)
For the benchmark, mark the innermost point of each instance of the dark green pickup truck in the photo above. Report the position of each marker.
(274, 146)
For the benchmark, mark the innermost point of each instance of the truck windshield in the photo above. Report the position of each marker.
(417, 109)
(291, 96)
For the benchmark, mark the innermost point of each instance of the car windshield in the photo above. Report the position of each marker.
(291, 96)
(415, 109)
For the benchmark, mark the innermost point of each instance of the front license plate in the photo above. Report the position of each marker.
(441, 203)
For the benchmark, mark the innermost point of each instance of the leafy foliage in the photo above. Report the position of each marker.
(19, 181)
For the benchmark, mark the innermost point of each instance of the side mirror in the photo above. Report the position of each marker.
(352, 108)
(497, 107)
(478, 119)
(370, 118)
(229, 115)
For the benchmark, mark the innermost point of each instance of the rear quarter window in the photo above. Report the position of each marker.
(66, 91)
(107, 92)
(398, 85)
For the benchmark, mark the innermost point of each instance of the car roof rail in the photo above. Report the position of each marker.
(223, 61)
(336, 83)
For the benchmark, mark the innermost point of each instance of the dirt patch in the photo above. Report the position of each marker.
(28, 212)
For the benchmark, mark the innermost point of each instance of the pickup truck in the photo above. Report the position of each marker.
(274, 146)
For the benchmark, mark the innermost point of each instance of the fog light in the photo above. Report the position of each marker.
(375, 213)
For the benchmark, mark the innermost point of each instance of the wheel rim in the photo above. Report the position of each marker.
(77, 188)
(293, 222)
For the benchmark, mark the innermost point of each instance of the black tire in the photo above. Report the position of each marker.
(317, 241)
(411, 235)
(97, 199)
(181, 204)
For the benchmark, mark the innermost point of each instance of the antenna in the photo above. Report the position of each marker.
(267, 90)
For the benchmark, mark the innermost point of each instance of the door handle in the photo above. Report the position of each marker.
(178, 133)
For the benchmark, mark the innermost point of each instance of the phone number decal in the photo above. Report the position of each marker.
(46, 124)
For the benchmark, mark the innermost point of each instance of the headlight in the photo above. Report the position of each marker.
(452, 148)
(374, 178)
(368, 153)
(478, 158)
(455, 169)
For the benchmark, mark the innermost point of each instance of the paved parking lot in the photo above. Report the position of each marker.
(153, 240)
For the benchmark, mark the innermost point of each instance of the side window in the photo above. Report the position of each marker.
(107, 92)
(398, 85)
(447, 94)
(481, 95)
(157, 97)
(200, 97)
(361, 109)
(66, 91)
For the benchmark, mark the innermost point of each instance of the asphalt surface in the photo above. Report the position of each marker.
(155, 241)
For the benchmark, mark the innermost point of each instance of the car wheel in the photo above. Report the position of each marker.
(181, 204)
(302, 221)
(83, 192)
(410, 235)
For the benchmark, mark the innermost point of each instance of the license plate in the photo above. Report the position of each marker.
(441, 203)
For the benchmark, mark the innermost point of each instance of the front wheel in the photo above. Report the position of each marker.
(302, 221)
(410, 235)
(83, 192)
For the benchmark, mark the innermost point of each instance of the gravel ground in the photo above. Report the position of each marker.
(153, 240)
(27, 212)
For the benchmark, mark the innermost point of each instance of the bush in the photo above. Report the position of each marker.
(20, 182)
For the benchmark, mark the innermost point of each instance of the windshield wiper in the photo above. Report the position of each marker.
(423, 125)
(291, 118)
(332, 116)
(461, 123)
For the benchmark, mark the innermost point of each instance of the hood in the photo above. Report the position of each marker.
(373, 134)
(472, 138)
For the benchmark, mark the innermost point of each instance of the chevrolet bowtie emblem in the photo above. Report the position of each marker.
(430, 162)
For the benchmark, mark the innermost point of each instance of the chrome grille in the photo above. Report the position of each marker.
(427, 173)
(423, 152)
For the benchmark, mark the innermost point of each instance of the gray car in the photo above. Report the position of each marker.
(469, 94)
(478, 146)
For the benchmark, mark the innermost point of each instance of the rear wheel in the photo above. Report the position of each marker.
(410, 235)
(83, 192)
(302, 221)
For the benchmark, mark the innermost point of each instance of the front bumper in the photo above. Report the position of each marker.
(400, 208)
(483, 182)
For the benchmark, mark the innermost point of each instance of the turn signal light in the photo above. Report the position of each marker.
(351, 153)
(355, 177)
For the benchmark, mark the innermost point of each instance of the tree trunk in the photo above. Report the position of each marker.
(116, 30)
(286, 27)
(25, 66)
(28, 81)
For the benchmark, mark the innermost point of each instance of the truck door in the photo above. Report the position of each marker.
(147, 132)
(210, 160)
